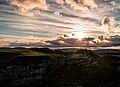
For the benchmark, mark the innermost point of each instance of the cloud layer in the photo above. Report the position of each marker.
(51, 17)
(83, 5)
(26, 5)
(64, 40)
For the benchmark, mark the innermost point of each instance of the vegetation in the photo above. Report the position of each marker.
(57, 68)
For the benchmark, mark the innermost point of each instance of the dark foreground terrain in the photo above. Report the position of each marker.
(43, 67)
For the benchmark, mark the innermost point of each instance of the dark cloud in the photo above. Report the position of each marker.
(66, 41)
(114, 40)
(99, 41)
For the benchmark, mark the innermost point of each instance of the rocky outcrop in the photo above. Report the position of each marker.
(29, 71)
(84, 57)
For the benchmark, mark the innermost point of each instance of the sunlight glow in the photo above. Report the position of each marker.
(78, 35)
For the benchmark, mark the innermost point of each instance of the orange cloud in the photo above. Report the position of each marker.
(26, 5)
(79, 4)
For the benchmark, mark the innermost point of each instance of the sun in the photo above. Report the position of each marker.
(78, 35)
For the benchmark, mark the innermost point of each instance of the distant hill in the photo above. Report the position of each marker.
(47, 50)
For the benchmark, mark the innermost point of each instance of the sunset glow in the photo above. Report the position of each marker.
(78, 35)
(38, 22)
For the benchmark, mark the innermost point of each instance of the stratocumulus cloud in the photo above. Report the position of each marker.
(82, 5)
(64, 41)
(100, 41)
(26, 5)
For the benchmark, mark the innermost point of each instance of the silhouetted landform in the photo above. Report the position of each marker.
(46, 50)
(44, 67)
(108, 52)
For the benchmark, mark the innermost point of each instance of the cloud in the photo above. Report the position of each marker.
(107, 23)
(73, 21)
(24, 6)
(31, 42)
(64, 40)
(114, 40)
(83, 5)
(113, 3)
(60, 1)
(27, 7)
(90, 3)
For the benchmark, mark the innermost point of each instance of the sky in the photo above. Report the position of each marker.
(59, 23)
